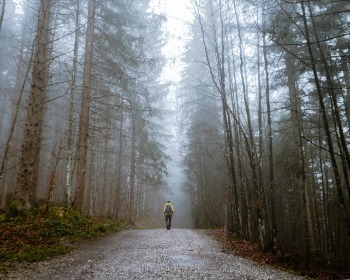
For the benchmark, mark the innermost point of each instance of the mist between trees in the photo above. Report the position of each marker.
(264, 116)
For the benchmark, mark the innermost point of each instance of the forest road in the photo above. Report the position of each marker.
(150, 254)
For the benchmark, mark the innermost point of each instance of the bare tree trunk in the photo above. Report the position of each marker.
(260, 153)
(69, 168)
(29, 162)
(85, 110)
(132, 168)
(92, 192)
(105, 186)
(52, 180)
(299, 150)
(324, 200)
(242, 212)
(270, 151)
(119, 163)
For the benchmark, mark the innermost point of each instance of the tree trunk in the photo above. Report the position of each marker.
(69, 167)
(344, 65)
(92, 192)
(299, 150)
(265, 242)
(52, 180)
(29, 162)
(82, 149)
(118, 201)
(270, 151)
(132, 169)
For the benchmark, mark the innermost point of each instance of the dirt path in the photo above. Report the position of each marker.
(150, 254)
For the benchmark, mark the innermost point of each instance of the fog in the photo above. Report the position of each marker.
(179, 198)
(178, 17)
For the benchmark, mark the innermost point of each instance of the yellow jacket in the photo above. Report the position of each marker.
(172, 208)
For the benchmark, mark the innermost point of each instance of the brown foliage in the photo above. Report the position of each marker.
(248, 250)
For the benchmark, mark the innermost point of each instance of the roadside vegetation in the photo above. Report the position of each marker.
(30, 235)
(36, 234)
(317, 269)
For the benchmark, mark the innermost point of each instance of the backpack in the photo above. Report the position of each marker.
(168, 209)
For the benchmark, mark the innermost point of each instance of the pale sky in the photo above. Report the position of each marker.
(178, 18)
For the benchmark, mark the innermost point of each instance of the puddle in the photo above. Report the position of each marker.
(186, 260)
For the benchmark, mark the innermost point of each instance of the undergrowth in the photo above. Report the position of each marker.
(316, 269)
(30, 235)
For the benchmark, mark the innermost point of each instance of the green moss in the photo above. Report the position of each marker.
(42, 253)
(33, 254)
(37, 234)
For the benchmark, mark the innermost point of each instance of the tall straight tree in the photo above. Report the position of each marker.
(69, 171)
(82, 149)
(132, 166)
(270, 150)
(30, 156)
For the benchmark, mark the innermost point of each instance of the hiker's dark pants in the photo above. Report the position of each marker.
(168, 218)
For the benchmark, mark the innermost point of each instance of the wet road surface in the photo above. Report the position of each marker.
(150, 254)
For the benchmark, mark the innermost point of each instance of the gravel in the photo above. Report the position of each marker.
(149, 254)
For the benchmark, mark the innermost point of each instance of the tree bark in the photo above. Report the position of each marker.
(85, 110)
(270, 151)
(29, 162)
(118, 202)
(132, 168)
(299, 150)
(69, 167)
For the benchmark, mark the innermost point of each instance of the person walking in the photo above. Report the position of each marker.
(168, 213)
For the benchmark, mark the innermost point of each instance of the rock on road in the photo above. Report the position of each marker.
(150, 254)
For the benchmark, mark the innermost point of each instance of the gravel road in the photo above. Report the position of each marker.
(150, 254)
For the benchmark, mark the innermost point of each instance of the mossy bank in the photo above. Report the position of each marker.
(30, 235)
